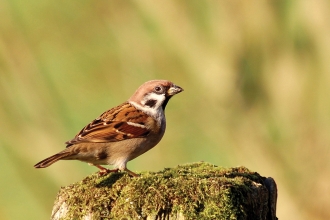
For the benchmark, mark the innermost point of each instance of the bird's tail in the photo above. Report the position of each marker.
(52, 159)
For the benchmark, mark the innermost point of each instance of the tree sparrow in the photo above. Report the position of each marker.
(123, 132)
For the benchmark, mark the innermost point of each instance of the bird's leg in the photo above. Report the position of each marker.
(104, 171)
(131, 172)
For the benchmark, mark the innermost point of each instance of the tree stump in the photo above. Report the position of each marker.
(192, 191)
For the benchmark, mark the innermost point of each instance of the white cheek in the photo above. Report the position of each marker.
(153, 96)
(156, 111)
(147, 110)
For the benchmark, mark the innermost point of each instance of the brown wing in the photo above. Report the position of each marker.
(119, 123)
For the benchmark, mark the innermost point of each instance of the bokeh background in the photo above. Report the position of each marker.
(256, 76)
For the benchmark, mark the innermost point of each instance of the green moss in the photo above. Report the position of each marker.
(195, 191)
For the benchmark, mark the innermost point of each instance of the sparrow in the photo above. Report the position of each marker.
(123, 132)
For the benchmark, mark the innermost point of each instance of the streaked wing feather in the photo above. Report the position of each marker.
(119, 123)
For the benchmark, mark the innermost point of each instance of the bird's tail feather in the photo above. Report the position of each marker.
(52, 159)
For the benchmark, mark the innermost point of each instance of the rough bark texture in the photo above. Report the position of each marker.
(192, 191)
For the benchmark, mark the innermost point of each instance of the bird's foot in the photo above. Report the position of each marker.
(104, 171)
(131, 173)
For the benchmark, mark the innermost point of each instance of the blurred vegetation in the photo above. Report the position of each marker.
(256, 77)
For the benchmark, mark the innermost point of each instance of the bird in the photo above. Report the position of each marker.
(121, 133)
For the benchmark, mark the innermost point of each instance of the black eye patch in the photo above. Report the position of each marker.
(151, 103)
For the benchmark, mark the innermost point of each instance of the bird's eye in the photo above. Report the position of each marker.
(158, 89)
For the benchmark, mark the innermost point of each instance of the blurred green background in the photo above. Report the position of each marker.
(256, 76)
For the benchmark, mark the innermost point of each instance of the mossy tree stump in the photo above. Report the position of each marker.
(192, 191)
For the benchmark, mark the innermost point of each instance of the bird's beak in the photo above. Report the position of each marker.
(174, 90)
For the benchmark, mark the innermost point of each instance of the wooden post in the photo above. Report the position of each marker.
(192, 191)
